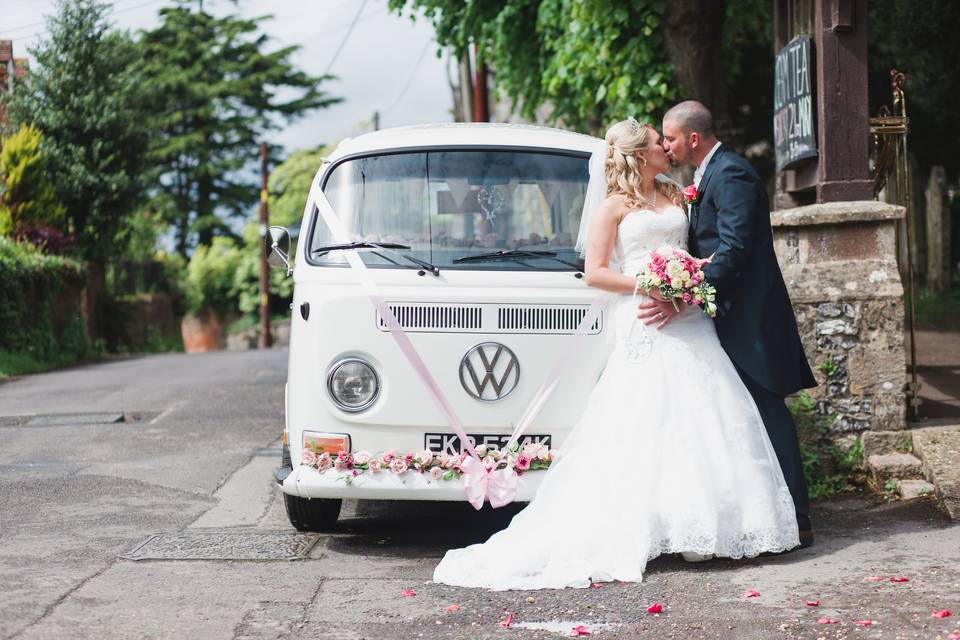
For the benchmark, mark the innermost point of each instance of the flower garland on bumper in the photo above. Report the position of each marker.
(442, 466)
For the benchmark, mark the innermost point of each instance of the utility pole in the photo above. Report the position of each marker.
(481, 109)
(376, 121)
(264, 265)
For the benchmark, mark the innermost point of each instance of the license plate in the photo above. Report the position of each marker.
(450, 443)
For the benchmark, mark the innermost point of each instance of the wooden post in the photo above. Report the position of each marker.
(938, 234)
(481, 109)
(840, 172)
(265, 340)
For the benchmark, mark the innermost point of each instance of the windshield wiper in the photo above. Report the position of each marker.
(515, 255)
(387, 247)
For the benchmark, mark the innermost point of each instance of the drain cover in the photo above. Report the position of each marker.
(221, 544)
(72, 419)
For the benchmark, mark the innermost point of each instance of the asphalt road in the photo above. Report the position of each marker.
(102, 525)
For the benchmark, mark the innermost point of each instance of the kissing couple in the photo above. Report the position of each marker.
(686, 444)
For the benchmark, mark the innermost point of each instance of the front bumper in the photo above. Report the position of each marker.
(307, 482)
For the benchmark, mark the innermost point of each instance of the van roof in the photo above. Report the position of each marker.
(467, 134)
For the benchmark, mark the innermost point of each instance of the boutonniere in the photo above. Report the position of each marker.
(691, 195)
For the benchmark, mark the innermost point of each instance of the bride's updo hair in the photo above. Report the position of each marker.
(623, 169)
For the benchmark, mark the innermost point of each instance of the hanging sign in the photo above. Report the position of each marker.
(793, 120)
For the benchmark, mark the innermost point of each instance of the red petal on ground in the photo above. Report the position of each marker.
(452, 608)
(751, 594)
(873, 579)
(812, 603)
(595, 585)
(941, 614)
(828, 621)
(865, 623)
(507, 621)
(407, 593)
(580, 630)
(656, 607)
(895, 579)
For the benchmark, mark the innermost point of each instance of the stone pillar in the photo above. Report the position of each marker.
(938, 234)
(840, 266)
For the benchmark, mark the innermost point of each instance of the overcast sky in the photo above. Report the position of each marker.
(387, 63)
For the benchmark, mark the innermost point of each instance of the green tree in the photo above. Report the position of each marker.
(592, 60)
(88, 99)
(217, 92)
(26, 192)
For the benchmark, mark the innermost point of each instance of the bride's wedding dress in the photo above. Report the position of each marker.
(670, 455)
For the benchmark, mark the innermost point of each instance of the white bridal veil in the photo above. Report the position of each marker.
(596, 192)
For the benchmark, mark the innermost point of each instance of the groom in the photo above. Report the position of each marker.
(730, 221)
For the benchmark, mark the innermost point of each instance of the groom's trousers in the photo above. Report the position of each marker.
(783, 436)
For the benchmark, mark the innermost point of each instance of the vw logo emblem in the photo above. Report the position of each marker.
(489, 371)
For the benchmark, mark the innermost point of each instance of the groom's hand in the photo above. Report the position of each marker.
(657, 312)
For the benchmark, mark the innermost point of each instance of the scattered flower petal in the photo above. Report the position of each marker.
(452, 608)
(506, 622)
(865, 623)
(656, 607)
(828, 621)
(954, 636)
(895, 579)
(596, 585)
(941, 614)
(751, 594)
(812, 603)
(873, 579)
(580, 630)
(407, 593)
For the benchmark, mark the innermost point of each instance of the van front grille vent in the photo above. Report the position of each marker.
(543, 319)
(433, 317)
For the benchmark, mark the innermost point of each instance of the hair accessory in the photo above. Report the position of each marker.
(637, 127)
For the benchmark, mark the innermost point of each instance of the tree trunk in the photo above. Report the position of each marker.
(693, 33)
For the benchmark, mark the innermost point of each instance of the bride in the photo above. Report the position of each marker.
(670, 454)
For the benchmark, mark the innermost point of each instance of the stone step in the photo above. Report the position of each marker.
(910, 489)
(894, 466)
(884, 442)
(939, 447)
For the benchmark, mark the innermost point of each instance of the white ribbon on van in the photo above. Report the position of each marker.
(480, 484)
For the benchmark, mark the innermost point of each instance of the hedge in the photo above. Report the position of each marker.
(39, 313)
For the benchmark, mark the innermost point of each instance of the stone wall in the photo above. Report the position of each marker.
(839, 263)
(250, 338)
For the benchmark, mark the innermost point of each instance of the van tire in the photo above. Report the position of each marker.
(317, 514)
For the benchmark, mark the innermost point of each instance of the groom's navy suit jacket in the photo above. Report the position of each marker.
(755, 321)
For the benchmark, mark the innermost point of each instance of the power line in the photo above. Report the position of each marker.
(43, 22)
(346, 37)
(413, 75)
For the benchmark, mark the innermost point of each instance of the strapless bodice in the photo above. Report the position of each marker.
(641, 231)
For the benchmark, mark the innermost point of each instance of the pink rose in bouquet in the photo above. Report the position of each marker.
(678, 276)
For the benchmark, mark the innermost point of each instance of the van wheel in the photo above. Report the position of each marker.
(317, 514)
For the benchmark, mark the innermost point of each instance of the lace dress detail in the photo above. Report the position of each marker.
(669, 455)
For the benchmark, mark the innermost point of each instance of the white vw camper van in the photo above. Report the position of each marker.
(467, 232)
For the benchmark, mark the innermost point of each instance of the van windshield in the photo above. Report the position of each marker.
(447, 205)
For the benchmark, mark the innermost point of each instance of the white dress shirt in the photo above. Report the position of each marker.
(698, 174)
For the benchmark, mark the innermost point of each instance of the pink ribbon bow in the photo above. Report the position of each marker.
(499, 486)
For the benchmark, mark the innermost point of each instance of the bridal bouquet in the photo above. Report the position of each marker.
(678, 276)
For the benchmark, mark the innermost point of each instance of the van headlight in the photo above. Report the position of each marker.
(353, 384)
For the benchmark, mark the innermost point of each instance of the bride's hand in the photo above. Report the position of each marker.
(657, 312)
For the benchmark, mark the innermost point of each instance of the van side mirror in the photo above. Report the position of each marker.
(277, 246)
